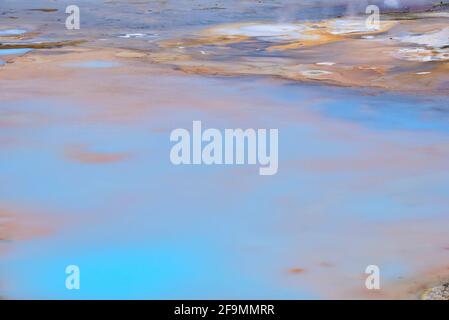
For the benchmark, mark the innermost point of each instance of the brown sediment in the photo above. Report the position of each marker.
(4, 226)
(24, 36)
(41, 45)
(82, 154)
(27, 35)
(314, 34)
(357, 61)
(323, 38)
(376, 67)
(130, 54)
(340, 75)
(47, 10)
(296, 270)
(324, 35)
(170, 57)
(207, 40)
(431, 285)
(20, 224)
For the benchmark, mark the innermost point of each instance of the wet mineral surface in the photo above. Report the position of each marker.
(85, 117)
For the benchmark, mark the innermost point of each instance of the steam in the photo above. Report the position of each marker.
(392, 3)
(292, 9)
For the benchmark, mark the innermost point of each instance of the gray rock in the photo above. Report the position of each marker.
(440, 292)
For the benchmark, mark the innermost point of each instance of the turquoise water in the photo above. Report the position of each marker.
(5, 52)
(142, 228)
(94, 64)
(362, 175)
(12, 32)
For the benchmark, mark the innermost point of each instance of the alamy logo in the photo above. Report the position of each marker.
(72, 282)
(214, 147)
(372, 282)
(73, 20)
(373, 20)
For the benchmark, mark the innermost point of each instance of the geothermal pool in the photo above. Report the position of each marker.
(86, 179)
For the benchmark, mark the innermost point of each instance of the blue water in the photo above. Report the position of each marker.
(94, 64)
(5, 52)
(12, 32)
(355, 167)
(143, 228)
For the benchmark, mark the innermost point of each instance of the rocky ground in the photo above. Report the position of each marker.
(440, 292)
